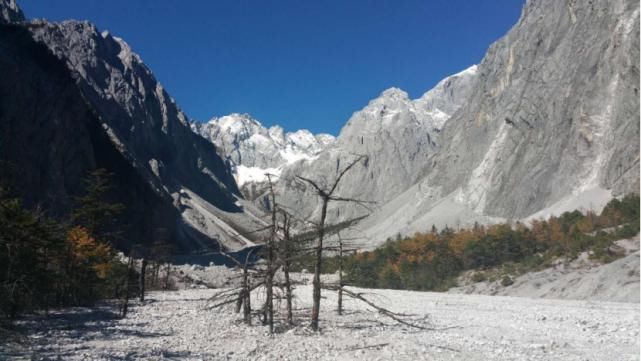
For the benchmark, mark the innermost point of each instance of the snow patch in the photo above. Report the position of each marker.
(245, 174)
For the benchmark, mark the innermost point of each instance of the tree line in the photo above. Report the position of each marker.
(433, 260)
(48, 263)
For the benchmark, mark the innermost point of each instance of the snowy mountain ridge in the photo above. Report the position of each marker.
(412, 124)
(255, 150)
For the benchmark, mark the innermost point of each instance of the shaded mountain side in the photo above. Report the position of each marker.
(10, 12)
(50, 138)
(140, 117)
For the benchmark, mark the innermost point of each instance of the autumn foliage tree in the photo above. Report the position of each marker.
(430, 261)
(47, 262)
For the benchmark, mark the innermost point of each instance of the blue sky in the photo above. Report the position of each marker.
(297, 63)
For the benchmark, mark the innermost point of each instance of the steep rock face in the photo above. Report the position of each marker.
(50, 139)
(396, 134)
(10, 12)
(138, 114)
(555, 111)
(551, 124)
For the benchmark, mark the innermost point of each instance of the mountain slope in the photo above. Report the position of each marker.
(398, 135)
(551, 124)
(556, 113)
(138, 114)
(148, 132)
(51, 139)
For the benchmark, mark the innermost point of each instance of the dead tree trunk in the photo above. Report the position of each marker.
(125, 303)
(316, 284)
(239, 301)
(287, 255)
(167, 274)
(340, 275)
(243, 298)
(269, 277)
(326, 195)
(247, 308)
(141, 278)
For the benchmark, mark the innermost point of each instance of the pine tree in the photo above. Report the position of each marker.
(93, 210)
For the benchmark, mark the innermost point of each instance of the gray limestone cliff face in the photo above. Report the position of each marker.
(396, 134)
(140, 117)
(555, 112)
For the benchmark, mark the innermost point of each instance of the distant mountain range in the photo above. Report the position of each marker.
(547, 122)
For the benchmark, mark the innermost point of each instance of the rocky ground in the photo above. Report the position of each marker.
(578, 279)
(176, 325)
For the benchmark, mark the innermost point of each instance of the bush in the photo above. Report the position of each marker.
(506, 281)
(478, 277)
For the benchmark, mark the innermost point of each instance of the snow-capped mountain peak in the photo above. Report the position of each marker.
(255, 150)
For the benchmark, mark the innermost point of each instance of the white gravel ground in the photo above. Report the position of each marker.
(174, 325)
(580, 279)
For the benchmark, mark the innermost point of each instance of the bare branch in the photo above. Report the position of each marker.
(343, 172)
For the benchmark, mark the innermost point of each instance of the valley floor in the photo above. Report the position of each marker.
(175, 325)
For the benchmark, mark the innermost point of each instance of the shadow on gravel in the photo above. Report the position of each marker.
(60, 334)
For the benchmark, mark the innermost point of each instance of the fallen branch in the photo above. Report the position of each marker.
(228, 293)
(393, 315)
(368, 346)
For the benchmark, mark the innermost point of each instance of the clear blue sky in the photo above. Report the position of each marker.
(298, 63)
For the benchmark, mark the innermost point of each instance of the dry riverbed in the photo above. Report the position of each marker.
(175, 325)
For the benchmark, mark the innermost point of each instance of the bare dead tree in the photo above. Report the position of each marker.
(242, 295)
(287, 255)
(342, 250)
(269, 274)
(340, 274)
(326, 195)
(141, 278)
(166, 284)
(125, 303)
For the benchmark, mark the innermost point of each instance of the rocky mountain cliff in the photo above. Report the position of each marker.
(143, 125)
(556, 112)
(552, 124)
(396, 134)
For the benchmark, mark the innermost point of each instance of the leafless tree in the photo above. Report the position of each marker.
(269, 273)
(125, 303)
(326, 195)
(340, 274)
(286, 260)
